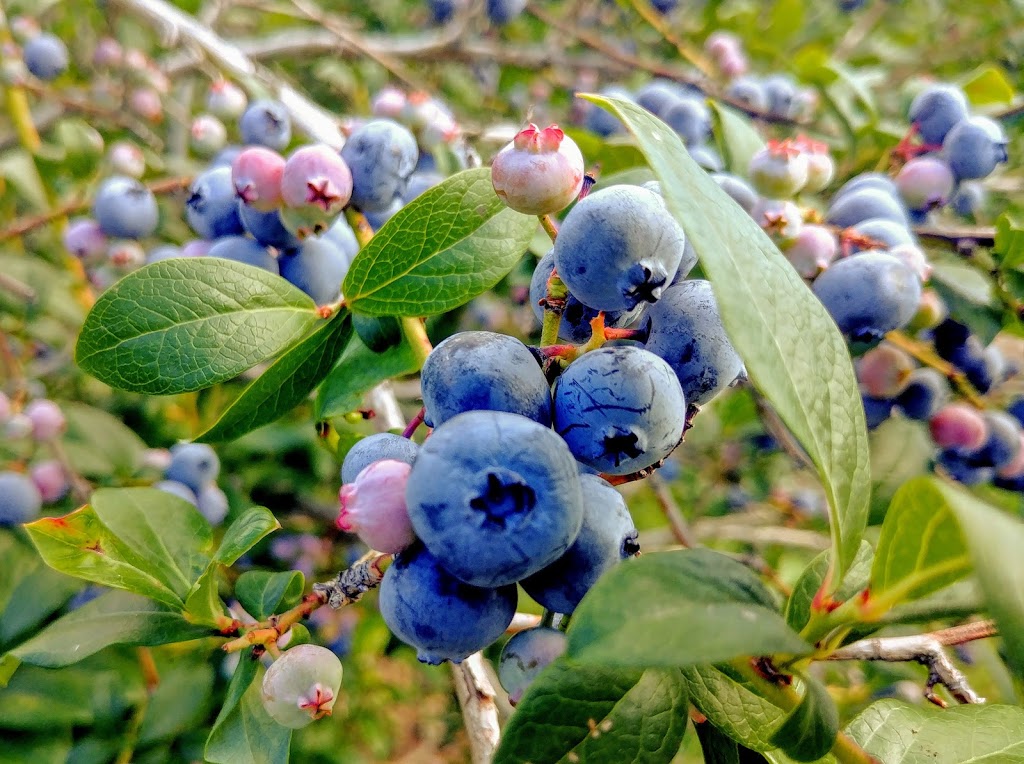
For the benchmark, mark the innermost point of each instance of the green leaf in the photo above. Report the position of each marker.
(731, 705)
(98, 444)
(737, 139)
(582, 714)
(792, 349)
(37, 595)
(901, 449)
(798, 607)
(988, 85)
(717, 747)
(964, 280)
(168, 532)
(448, 245)
(244, 533)
(245, 672)
(203, 604)
(994, 540)
(179, 704)
(286, 383)
(360, 370)
(686, 607)
(115, 618)
(263, 593)
(18, 168)
(187, 323)
(615, 155)
(809, 732)
(1009, 243)
(18, 562)
(920, 549)
(247, 734)
(41, 700)
(896, 732)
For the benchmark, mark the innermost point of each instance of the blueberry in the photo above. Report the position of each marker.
(749, 92)
(687, 332)
(211, 208)
(863, 204)
(875, 180)
(737, 188)
(936, 110)
(381, 156)
(267, 228)
(442, 617)
(1016, 409)
(691, 119)
(163, 252)
(539, 172)
(658, 96)
(501, 12)
(194, 464)
(781, 92)
(961, 469)
(925, 182)
(373, 448)
(379, 218)
(244, 250)
(707, 157)
(472, 371)
(46, 56)
(207, 135)
(256, 174)
(876, 410)
(495, 497)
(869, 294)
(212, 504)
(373, 506)
(958, 427)
(84, 239)
(576, 317)
(620, 247)
(525, 655)
(20, 500)
(266, 123)
(226, 100)
(606, 537)
(317, 184)
(620, 409)
(778, 170)
(974, 147)
(1002, 444)
(302, 685)
(442, 11)
(125, 209)
(886, 233)
(884, 371)
(924, 394)
(47, 419)
(317, 267)
(51, 479)
(968, 199)
(602, 122)
(420, 182)
(344, 237)
(812, 250)
(175, 488)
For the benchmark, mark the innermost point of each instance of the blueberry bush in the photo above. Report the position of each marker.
(511, 381)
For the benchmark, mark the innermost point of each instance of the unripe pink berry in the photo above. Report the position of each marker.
(50, 479)
(720, 43)
(256, 174)
(207, 135)
(540, 172)
(226, 100)
(884, 371)
(316, 176)
(958, 426)
(196, 248)
(925, 182)
(126, 159)
(733, 65)
(84, 239)
(782, 219)
(147, 104)
(108, 53)
(156, 458)
(302, 685)
(135, 59)
(24, 28)
(373, 507)
(5, 407)
(126, 254)
(778, 170)
(812, 250)
(389, 102)
(18, 426)
(47, 419)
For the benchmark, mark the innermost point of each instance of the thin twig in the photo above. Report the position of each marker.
(476, 696)
(352, 583)
(984, 236)
(926, 649)
(23, 292)
(676, 522)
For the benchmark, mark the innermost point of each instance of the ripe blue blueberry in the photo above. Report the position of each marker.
(1002, 444)
(620, 247)
(266, 227)
(46, 56)
(125, 209)
(525, 655)
(601, 121)
(876, 410)
(442, 11)
(373, 448)
(974, 147)
(706, 156)
(193, 464)
(175, 488)
(472, 371)
(381, 156)
(658, 96)
(926, 392)
(317, 267)
(737, 188)
(266, 123)
(691, 119)
(439, 615)
(244, 250)
(749, 92)
(495, 497)
(20, 501)
(606, 537)
(212, 504)
(687, 332)
(935, 111)
(886, 233)
(212, 207)
(620, 409)
(875, 180)
(869, 294)
(863, 204)
(782, 95)
(163, 252)
(962, 469)
(501, 12)
(420, 182)
(968, 199)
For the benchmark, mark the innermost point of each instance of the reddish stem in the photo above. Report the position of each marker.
(414, 424)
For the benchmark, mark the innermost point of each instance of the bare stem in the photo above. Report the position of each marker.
(676, 522)
(476, 696)
(924, 353)
(353, 583)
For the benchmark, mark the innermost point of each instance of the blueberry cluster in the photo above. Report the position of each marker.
(28, 428)
(191, 474)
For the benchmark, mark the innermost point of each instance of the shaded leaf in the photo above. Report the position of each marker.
(360, 370)
(731, 705)
(809, 732)
(736, 136)
(247, 734)
(717, 747)
(98, 444)
(263, 593)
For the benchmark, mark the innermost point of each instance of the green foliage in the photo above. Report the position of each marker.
(737, 139)
(244, 733)
(734, 705)
(263, 593)
(358, 371)
(438, 252)
(809, 731)
(800, 602)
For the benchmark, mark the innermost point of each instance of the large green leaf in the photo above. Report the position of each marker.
(737, 138)
(98, 444)
(188, 323)
(716, 746)
(168, 532)
(809, 731)
(246, 734)
(685, 608)
(731, 705)
(286, 383)
(358, 371)
(115, 618)
(900, 450)
(988, 85)
(244, 533)
(921, 548)
(798, 606)
(582, 714)
(896, 732)
(180, 703)
(994, 540)
(448, 245)
(37, 595)
(793, 351)
(263, 593)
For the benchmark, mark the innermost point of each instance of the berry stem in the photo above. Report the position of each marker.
(926, 355)
(548, 224)
(554, 304)
(360, 226)
(416, 334)
(414, 423)
(269, 631)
